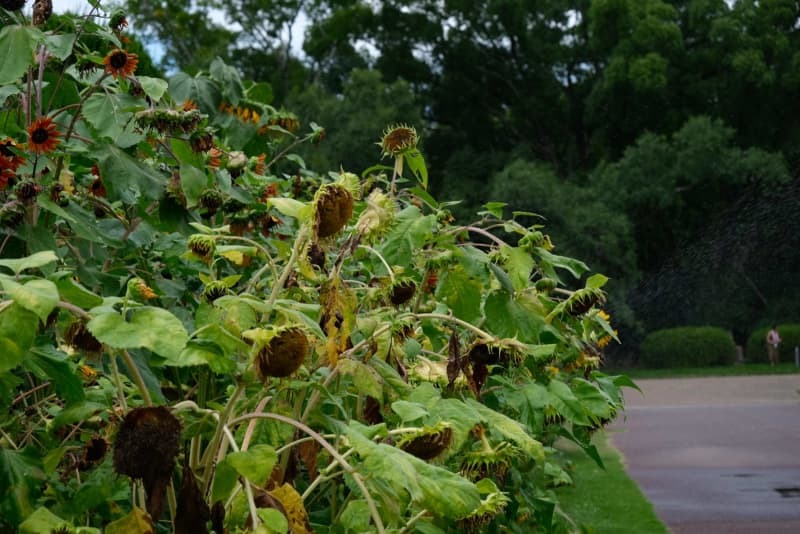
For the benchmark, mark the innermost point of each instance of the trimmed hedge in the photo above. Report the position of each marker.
(688, 346)
(756, 350)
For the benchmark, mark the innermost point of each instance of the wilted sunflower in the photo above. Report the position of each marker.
(333, 209)
(278, 352)
(145, 448)
(120, 63)
(9, 159)
(43, 135)
(398, 139)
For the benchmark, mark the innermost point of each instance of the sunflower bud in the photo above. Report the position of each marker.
(139, 290)
(215, 290)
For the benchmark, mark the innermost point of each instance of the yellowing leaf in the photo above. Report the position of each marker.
(295, 510)
(136, 522)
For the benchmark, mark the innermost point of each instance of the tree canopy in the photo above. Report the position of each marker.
(635, 122)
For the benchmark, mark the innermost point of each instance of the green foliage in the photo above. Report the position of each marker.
(688, 346)
(181, 288)
(756, 349)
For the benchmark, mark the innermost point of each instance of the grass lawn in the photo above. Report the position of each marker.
(606, 502)
(726, 370)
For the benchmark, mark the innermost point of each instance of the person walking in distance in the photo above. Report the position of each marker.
(773, 340)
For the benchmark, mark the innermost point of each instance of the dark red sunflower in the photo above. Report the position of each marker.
(43, 135)
(120, 63)
(8, 158)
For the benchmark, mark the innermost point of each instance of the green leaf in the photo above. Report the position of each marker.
(291, 207)
(39, 296)
(273, 520)
(60, 45)
(20, 477)
(193, 183)
(147, 327)
(461, 293)
(125, 177)
(183, 87)
(519, 265)
(255, 464)
(42, 520)
(73, 292)
(62, 372)
(416, 162)
(444, 493)
(17, 46)
(510, 429)
(409, 411)
(34, 261)
(136, 522)
(495, 208)
(228, 78)
(596, 281)
(110, 114)
(153, 87)
(260, 92)
(411, 231)
(225, 478)
(549, 260)
(365, 379)
(356, 516)
(76, 412)
(18, 328)
(513, 317)
(567, 404)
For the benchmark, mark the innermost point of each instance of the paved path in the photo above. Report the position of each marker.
(716, 455)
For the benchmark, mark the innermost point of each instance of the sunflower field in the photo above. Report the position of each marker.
(198, 333)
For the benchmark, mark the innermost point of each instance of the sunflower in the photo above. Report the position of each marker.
(120, 63)
(398, 139)
(43, 135)
(8, 158)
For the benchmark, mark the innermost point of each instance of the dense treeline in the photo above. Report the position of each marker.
(659, 138)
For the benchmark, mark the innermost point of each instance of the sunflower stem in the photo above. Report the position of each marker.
(299, 242)
(332, 451)
(383, 260)
(137, 377)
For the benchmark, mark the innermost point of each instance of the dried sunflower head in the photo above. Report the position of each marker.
(333, 207)
(145, 448)
(402, 291)
(491, 506)
(202, 246)
(428, 442)
(78, 336)
(278, 352)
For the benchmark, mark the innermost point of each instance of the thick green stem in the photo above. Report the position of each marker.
(299, 242)
(137, 377)
(210, 455)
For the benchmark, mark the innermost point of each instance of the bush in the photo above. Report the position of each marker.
(757, 345)
(688, 346)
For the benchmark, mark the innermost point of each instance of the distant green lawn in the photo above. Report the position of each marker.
(727, 370)
(606, 502)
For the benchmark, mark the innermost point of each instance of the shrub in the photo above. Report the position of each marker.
(688, 346)
(756, 350)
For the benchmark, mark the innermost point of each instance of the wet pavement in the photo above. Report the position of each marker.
(716, 455)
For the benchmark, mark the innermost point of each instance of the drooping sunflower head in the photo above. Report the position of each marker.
(145, 448)
(584, 300)
(78, 336)
(333, 207)
(489, 462)
(398, 139)
(43, 135)
(402, 291)
(214, 290)
(428, 442)
(120, 63)
(202, 246)
(278, 352)
(491, 506)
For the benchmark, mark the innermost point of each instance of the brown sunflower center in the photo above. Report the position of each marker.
(40, 135)
(118, 60)
(399, 139)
